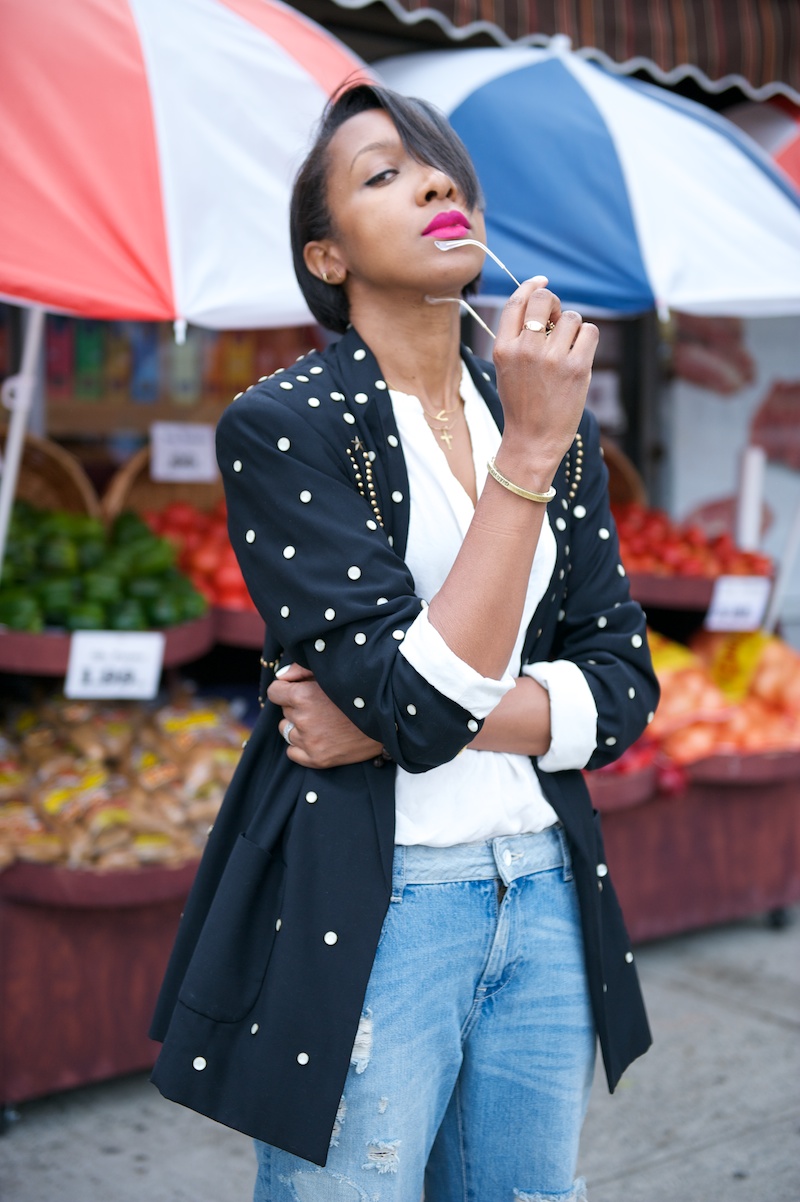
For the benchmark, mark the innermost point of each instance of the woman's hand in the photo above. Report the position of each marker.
(321, 736)
(542, 379)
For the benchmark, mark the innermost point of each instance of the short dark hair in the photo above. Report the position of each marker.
(426, 135)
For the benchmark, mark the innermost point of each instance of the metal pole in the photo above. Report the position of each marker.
(17, 396)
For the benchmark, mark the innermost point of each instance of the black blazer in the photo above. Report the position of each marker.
(257, 1012)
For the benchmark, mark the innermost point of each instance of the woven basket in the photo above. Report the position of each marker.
(624, 482)
(131, 488)
(51, 478)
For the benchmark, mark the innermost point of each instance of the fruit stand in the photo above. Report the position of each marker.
(701, 818)
(725, 846)
(104, 807)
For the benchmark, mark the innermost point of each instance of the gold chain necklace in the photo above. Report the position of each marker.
(444, 431)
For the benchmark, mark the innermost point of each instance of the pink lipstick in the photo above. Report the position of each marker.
(452, 224)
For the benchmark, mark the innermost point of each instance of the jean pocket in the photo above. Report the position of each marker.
(229, 963)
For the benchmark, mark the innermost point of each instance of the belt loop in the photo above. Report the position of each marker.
(562, 838)
(398, 872)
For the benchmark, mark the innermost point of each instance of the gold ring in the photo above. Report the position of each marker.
(536, 327)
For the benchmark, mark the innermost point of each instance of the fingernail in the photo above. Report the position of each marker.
(283, 670)
(539, 280)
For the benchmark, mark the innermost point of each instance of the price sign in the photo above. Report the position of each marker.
(107, 664)
(182, 451)
(738, 603)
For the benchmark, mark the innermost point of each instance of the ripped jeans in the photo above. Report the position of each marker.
(471, 1070)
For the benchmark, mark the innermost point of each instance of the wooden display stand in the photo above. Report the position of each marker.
(82, 956)
(725, 848)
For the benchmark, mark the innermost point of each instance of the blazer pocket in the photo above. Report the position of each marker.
(230, 960)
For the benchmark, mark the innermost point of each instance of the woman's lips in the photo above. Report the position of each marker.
(452, 224)
(447, 232)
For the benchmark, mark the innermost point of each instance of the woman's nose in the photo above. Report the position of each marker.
(436, 184)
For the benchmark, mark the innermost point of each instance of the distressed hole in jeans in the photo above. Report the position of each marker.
(382, 1155)
(382, 1104)
(362, 1047)
(576, 1194)
(337, 1123)
(322, 1186)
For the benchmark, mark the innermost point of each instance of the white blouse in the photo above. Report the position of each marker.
(480, 794)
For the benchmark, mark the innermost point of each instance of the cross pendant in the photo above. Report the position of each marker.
(447, 438)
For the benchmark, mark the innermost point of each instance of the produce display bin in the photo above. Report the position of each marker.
(723, 849)
(239, 628)
(47, 654)
(82, 953)
(82, 956)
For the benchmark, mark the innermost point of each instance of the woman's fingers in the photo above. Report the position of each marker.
(575, 337)
(515, 309)
(288, 728)
(543, 358)
(293, 672)
(317, 733)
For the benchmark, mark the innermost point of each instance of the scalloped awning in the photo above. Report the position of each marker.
(752, 45)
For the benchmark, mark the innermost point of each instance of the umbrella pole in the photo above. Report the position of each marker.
(17, 396)
(781, 583)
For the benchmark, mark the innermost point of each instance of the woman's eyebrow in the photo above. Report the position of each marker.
(374, 146)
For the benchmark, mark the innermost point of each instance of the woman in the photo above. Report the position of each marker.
(445, 653)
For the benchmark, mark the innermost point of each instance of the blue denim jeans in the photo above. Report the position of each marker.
(473, 1061)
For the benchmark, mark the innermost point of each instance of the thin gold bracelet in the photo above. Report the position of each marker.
(541, 497)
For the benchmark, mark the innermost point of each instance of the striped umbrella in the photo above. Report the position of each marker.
(146, 161)
(626, 196)
(147, 154)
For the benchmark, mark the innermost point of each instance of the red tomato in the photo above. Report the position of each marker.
(180, 515)
(228, 577)
(692, 565)
(231, 599)
(217, 532)
(204, 560)
(227, 557)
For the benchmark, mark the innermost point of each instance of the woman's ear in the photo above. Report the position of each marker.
(323, 261)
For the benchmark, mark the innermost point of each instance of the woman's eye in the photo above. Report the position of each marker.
(382, 177)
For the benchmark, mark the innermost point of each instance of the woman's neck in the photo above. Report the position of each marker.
(417, 345)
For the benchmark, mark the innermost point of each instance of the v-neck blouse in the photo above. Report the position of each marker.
(479, 794)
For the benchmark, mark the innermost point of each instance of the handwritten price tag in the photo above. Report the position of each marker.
(106, 664)
(182, 451)
(738, 603)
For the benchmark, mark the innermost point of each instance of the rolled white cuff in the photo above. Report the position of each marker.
(429, 654)
(573, 715)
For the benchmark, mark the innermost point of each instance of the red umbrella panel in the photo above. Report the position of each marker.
(146, 163)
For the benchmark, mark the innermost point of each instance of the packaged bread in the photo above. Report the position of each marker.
(23, 836)
(63, 799)
(109, 786)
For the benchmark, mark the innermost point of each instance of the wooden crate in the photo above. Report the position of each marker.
(132, 489)
(51, 478)
(624, 482)
(83, 956)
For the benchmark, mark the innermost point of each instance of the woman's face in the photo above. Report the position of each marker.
(387, 211)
